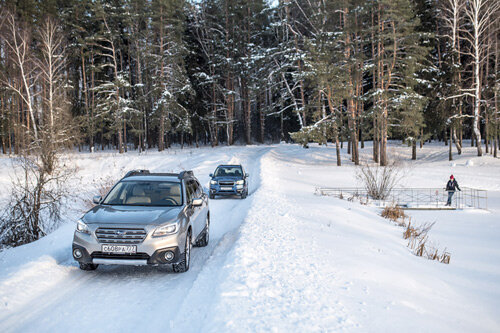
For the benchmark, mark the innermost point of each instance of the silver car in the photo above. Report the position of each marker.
(145, 219)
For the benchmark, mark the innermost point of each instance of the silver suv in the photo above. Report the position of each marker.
(145, 219)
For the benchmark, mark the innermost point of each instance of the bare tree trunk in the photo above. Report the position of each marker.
(282, 134)
(248, 114)
(450, 155)
(230, 110)
(125, 135)
(213, 121)
(92, 86)
(486, 107)
(413, 149)
(86, 100)
(336, 131)
(495, 95)
(3, 120)
(457, 142)
(374, 82)
(337, 148)
(262, 116)
(161, 133)
(383, 139)
(229, 84)
(351, 108)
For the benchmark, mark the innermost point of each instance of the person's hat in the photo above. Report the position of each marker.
(451, 177)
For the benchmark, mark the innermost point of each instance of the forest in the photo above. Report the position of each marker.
(133, 74)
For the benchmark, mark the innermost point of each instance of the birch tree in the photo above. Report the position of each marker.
(18, 42)
(56, 128)
(480, 14)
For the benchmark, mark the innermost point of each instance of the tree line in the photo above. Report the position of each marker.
(141, 74)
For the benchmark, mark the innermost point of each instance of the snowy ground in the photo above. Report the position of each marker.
(281, 260)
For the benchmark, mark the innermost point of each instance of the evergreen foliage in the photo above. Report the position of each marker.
(147, 74)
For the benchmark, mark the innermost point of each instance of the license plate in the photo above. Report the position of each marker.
(226, 188)
(119, 248)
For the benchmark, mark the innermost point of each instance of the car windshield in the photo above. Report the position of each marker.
(141, 193)
(228, 171)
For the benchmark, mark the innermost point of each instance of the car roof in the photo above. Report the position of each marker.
(145, 175)
(229, 165)
(154, 178)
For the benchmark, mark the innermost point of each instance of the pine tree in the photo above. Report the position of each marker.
(171, 86)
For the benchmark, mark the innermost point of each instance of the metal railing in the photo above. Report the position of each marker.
(413, 198)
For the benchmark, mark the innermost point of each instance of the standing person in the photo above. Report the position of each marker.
(451, 187)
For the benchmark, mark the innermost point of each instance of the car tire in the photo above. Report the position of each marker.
(203, 241)
(183, 266)
(88, 267)
(244, 195)
(211, 196)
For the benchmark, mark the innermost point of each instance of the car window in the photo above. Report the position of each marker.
(141, 193)
(225, 171)
(199, 189)
(190, 190)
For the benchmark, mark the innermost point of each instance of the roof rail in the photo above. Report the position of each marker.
(135, 173)
(185, 173)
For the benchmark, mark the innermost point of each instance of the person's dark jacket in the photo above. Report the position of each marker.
(452, 186)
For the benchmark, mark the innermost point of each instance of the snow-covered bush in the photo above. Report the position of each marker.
(378, 180)
(35, 201)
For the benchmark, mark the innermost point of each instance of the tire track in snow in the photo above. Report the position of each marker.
(200, 298)
(271, 276)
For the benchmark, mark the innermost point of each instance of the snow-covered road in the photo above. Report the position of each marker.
(281, 260)
(52, 294)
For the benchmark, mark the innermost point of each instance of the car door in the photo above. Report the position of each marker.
(202, 210)
(194, 212)
(204, 206)
(244, 178)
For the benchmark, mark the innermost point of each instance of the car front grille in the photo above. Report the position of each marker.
(226, 183)
(120, 235)
(102, 255)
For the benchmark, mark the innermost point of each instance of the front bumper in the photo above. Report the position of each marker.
(151, 251)
(216, 189)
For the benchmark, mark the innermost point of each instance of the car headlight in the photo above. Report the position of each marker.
(82, 227)
(240, 182)
(213, 182)
(168, 229)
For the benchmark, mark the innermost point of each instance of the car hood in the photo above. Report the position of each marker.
(131, 215)
(225, 178)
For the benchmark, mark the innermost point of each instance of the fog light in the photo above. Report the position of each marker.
(169, 255)
(77, 253)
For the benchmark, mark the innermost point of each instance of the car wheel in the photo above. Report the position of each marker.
(203, 241)
(211, 196)
(183, 266)
(88, 267)
(244, 195)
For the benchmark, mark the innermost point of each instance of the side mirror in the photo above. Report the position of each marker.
(211, 175)
(247, 175)
(97, 199)
(197, 202)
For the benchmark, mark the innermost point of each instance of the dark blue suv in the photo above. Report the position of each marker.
(229, 180)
